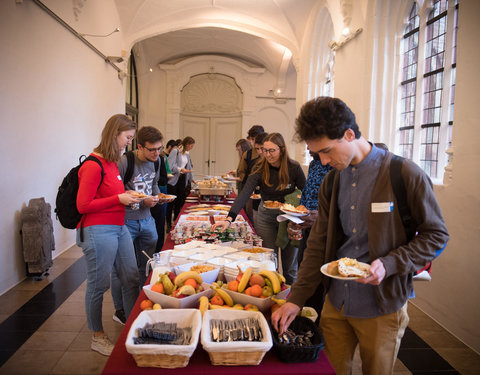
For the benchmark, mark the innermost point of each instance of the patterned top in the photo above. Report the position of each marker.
(316, 173)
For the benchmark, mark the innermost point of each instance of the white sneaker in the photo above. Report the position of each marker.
(102, 344)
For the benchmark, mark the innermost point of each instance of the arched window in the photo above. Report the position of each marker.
(427, 86)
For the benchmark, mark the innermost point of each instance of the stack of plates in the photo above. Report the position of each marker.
(181, 256)
(201, 257)
(219, 262)
(237, 256)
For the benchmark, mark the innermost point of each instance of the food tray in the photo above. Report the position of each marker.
(213, 191)
(235, 353)
(165, 356)
(295, 353)
(168, 302)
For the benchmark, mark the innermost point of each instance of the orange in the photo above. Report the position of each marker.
(256, 290)
(158, 287)
(146, 304)
(233, 285)
(216, 300)
(191, 282)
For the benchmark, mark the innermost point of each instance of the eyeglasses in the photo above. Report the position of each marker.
(158, 149)
(270, 150)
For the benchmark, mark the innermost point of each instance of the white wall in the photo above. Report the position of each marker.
(56, 95)
(452, 297)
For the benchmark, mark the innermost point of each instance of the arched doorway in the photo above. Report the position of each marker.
(211, 106)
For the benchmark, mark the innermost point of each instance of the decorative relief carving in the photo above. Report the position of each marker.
(211, 93)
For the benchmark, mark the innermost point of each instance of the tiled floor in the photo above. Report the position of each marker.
(51, 336)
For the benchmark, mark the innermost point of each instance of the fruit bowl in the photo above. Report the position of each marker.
(169, 302)
(263, 304)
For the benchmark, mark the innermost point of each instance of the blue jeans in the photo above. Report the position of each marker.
(144, 236)
(107, 248)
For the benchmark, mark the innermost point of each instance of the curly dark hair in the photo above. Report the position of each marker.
(325, 116)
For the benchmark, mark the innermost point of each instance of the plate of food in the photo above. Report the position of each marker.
(298, 211)
(137, 194)
(255, 196)
(346, 269)
(272, 205)
(166, 198)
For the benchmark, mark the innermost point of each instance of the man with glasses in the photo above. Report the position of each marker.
(139, 220)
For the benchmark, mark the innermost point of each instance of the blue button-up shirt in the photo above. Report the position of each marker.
(356, 186)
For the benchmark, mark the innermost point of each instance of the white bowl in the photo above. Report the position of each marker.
(207, 277)
(312, 314)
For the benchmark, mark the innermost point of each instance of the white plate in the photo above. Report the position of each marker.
(297, 214)
(323, 269)
(167, 199)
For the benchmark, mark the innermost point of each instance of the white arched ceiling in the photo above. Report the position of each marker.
(267, 33)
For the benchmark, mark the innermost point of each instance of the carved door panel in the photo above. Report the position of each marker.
(211, 114)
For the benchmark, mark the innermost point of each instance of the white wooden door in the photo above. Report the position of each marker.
(214, 152)
(224, 134)
(199, 129)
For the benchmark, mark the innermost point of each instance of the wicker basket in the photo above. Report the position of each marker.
(164, 356)
(236, 358)
(235, 353)
(294, 353)
(163, 360)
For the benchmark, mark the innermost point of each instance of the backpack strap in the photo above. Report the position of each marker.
(400, 193)
(95, 159)
(130, 165)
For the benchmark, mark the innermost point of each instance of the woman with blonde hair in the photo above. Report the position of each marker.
(182, 171)
(277, 175)
(101, 233)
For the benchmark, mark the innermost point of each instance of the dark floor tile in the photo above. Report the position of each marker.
(426, 360)
(13, 341)
(5, 356)
(21, 323)
(411, 340)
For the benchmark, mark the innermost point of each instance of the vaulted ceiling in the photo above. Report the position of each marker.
(264, 33)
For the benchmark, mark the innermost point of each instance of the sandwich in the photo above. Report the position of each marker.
(348, 267)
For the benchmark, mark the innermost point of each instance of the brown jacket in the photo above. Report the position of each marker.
(386, 236)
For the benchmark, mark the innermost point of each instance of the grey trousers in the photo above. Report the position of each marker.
(266, 226)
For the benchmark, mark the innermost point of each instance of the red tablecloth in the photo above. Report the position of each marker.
(121, 362)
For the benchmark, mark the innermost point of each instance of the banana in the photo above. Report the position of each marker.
(272, 276)
(203, 306)
(281, 278)
(167, 284)
(225, 296)
(188, 290)
(180, 279)
(216, 307)
(244, 280)
(268, 282)
(279, 301)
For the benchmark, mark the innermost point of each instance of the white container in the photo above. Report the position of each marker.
(183, 318)
(235, 346)
(201, 257)
(188, 245)
(237, 256)
(208, 277)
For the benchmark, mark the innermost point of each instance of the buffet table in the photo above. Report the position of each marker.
(121, 362)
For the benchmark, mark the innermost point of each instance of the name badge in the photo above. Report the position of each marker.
(118, 176)
(382, 207)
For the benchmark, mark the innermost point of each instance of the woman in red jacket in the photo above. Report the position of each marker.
(106, 241)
